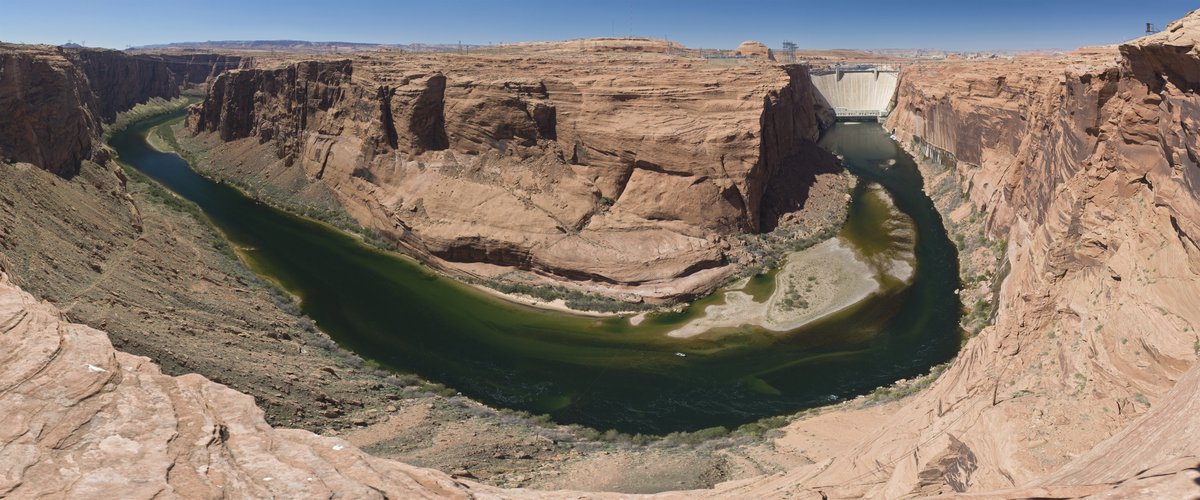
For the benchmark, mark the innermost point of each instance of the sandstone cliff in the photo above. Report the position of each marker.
(50, 116)
(617, 171)
(1083, 166)
(119, 80)
(197, 68)
(56, 99)
(109, 249)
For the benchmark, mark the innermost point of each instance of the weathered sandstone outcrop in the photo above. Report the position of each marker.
(125, 429)
(110, 250)
(617, 171)
(82, 420)
(751, 48)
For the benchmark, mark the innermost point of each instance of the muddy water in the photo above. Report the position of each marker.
(602, 373)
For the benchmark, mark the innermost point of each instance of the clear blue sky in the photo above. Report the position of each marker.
(945, 24)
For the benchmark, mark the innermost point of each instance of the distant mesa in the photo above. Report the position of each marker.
(751, 48)
(603, 45)
(304, 46)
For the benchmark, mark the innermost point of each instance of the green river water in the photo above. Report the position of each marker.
(599, 372)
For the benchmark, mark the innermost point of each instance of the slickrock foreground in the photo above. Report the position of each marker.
(82, 420)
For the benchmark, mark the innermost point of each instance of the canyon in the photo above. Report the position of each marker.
(1069, 181)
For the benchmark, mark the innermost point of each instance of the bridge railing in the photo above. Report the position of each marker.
(819, 68)
(860, 113)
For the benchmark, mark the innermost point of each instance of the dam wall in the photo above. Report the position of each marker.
(858, 92)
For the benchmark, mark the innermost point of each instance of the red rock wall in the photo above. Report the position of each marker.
(197, 69)
(54, 100)
(531, 120)
(119, 81)
(50, 116)
(614, 172)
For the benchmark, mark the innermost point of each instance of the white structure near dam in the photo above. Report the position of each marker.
(857, 92)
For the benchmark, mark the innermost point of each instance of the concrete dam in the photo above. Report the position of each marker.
(862, 92)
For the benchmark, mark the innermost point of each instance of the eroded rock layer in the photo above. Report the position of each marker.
(119, 80)
(197, 68)
(50, 114)
(622, 171)
(55, 99)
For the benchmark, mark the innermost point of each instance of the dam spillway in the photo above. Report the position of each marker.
(857, 92)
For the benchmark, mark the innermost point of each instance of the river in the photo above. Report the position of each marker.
(599, 372)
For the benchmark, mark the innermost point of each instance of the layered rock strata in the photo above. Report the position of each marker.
(110, 249)
(197, 68)
(119, 80)
(50, 113)
(621, 172)
(56, 99)
(122, 254)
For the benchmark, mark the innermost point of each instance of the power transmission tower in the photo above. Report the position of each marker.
(789, 50)
(630, 34)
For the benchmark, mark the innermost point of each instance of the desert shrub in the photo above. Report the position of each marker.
(900, 391)
(761, 427)
(573, 298)
(403, 379)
